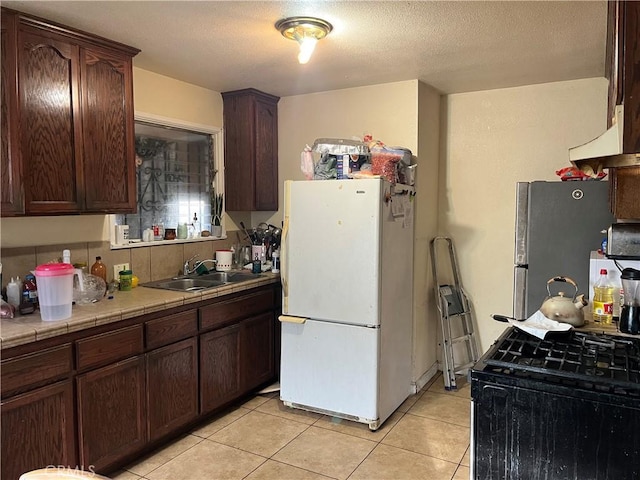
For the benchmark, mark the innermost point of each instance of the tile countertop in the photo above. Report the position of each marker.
(24, 329)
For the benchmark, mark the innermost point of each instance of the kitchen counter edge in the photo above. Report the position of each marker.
(24, 329)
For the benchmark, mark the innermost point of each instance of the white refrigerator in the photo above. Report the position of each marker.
(347, 278)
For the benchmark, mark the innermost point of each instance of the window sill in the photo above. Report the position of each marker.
(138, 244)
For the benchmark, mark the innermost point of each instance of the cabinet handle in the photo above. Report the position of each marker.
(291, 319)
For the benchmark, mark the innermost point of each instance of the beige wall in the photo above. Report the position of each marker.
(168, 97)
(493, 139)
(153, 93)
(403, 114)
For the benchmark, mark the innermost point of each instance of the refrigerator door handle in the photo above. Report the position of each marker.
(284, 264)
(292, 319)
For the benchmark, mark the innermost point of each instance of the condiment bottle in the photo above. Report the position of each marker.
(30, 290)
(13, 293)
(99, 269)
(603, 299)
(257, 265)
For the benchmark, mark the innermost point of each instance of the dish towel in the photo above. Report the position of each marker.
(539, 326)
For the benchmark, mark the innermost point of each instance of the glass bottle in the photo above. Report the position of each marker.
(603, 299)
(99, 269)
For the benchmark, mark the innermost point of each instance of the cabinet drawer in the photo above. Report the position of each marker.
(36, 368)
(109, 347)
(236, 309)
(163, 331)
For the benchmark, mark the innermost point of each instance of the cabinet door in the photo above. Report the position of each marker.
(625, 189)
(38, 430)
(172, 387)
(239, 174)
(108, 131)
(50, 123)
(257, 354)
(219, 367)
(11, 191)
(111, 412)
(266, 155)
(251, 150)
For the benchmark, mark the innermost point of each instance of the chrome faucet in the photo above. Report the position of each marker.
(185, 267)
(188, 271)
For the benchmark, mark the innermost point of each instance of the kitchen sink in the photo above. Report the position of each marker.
(229, 277)
(198, 283)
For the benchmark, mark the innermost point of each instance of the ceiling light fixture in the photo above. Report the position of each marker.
(306, 31)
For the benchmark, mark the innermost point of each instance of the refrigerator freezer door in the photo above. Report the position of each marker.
(563, 224)
(330, 367)
(331, 243)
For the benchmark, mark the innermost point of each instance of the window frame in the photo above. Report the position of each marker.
(218, 183)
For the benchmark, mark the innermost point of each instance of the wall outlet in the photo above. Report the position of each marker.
(118, 268)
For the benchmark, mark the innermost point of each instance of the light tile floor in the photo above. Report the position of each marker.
(426, 438)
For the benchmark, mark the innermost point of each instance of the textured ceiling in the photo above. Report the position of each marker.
(453, 46)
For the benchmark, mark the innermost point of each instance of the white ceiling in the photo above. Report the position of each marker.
(453, 46)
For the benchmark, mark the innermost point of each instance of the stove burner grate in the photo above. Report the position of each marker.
(599, 360)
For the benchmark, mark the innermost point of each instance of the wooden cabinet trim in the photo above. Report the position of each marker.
(109, 347)
(163, 331)
(36, 368)
(12, 188)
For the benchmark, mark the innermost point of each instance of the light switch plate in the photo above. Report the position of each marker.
(118, 268)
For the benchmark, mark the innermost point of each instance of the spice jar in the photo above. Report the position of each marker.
(126, 280)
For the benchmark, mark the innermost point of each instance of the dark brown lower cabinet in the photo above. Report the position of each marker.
(172, 387)
(135, 383)
(257, 358)
(219, 367)
(111, 412)
(38, 430)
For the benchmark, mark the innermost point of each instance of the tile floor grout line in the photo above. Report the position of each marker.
(437, 420)
(280, 449)
(363, 460)
(153, 453)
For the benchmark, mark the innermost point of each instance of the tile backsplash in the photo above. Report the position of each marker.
(149, 263)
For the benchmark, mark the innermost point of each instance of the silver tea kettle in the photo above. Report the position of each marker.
(564, 309)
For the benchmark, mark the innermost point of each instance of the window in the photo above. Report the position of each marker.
(176, 167)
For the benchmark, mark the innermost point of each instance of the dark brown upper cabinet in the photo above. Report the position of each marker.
(251, 150)
(623, 72)
(72, 111)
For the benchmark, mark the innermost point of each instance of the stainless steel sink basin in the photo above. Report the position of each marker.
(193, 283)
(184, 284)
(230, 277)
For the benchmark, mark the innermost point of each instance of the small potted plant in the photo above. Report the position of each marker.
(217, 201)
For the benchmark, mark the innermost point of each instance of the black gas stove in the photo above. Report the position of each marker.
(567, 407)
(593, 361)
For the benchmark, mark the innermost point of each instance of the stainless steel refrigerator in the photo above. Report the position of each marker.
(558, 224)
(347, 278)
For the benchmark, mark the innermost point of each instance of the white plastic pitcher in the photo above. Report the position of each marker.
(55, 289)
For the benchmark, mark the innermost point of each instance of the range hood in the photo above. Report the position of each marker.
(604, 151)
